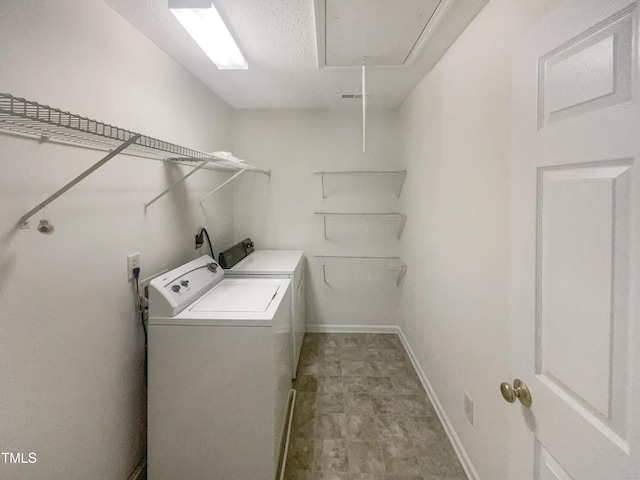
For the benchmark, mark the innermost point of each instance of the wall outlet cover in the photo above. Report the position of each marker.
(133, 261)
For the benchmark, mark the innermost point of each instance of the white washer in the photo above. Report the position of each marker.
(280, 264)
(218, 375)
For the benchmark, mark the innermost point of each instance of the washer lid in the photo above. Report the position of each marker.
(241, 295)
(269, 262)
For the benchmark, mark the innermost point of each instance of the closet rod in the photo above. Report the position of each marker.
(364, 105)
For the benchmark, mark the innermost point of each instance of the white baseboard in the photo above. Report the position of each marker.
(444, 419)
(465, 461)
(319, 328)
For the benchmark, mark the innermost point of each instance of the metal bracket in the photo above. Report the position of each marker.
(403, 176)
(23, 220)
(374, 262)
(403, 271)
(401, 173)
(392, 215)
(221, 185)
(158, 197)
(403, 222)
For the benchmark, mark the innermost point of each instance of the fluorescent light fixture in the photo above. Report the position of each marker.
(203, 22)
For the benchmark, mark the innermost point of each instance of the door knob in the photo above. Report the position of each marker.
(519, 390)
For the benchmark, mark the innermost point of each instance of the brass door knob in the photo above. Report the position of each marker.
(519, 390)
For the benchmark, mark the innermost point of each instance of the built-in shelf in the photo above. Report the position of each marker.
(392, 216)
(400, 174)
(23, 117)
(389, 263)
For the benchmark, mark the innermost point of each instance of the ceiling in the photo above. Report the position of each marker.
(308, 53)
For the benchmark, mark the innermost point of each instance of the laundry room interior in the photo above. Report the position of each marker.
(395, 180)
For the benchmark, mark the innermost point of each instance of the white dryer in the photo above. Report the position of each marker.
(242, 261)
(219, 374)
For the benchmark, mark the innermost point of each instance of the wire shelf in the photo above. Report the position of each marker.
(362, 172)
(393, 216)
(390, 263)
(21, 116)
(401, 174)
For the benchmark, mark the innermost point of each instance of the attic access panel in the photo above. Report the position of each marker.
(385, 31)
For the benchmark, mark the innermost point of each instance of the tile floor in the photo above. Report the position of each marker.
(362, 414)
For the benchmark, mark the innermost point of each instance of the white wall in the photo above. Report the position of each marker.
(71, 348)
(71, 345)
(279, 212)
(455, 133)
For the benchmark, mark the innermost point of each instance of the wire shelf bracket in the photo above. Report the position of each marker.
(378, 216)
(175, 184)
(402, 174)
(229, 180)
(394, 263)
(23, 222)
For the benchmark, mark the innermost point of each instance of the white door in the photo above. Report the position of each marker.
(575, 304)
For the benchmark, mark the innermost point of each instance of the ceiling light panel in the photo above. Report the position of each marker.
(385, 31)
(205, 25)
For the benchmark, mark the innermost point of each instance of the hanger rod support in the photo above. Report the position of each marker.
(364, 105)
(78, 179)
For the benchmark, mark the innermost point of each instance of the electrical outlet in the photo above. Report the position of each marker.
(199, 237)
(133, 261)
(468, 407)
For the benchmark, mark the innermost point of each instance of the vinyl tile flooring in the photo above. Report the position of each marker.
(361, 414)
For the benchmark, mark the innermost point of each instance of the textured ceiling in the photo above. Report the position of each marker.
(285, 50)
(375, 29)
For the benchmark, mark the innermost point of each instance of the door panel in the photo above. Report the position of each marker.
(590, 71)
(583, 252)
(575, 244)
(547, 466)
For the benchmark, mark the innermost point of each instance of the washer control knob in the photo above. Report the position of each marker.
(175, 288)
(184, 283)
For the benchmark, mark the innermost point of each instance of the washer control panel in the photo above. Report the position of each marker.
(173, 291)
